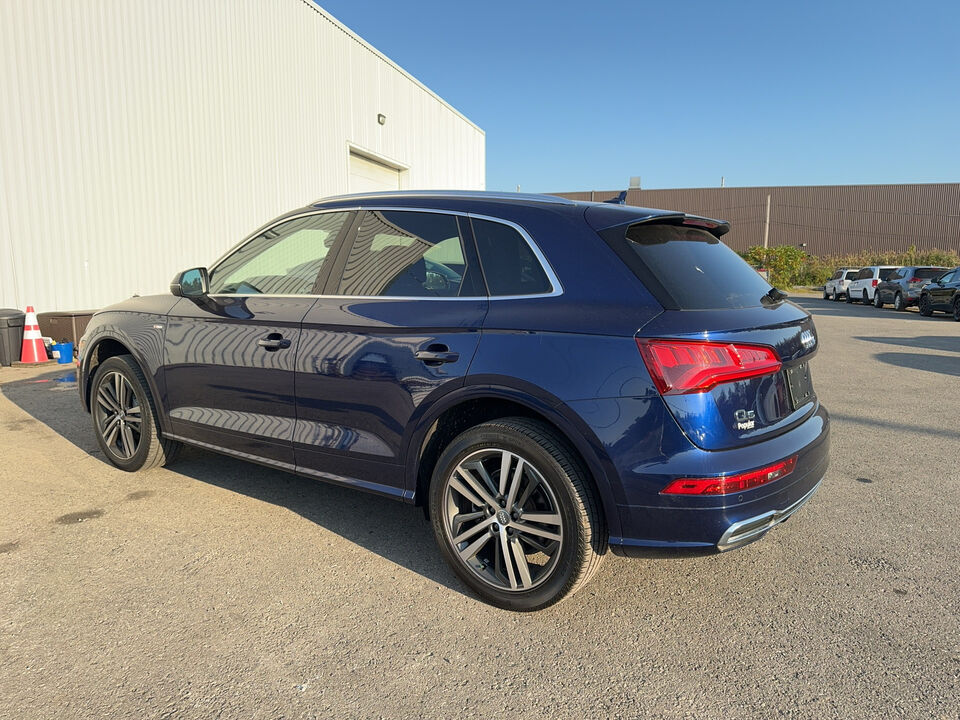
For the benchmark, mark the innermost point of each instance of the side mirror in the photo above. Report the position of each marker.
(191, 283)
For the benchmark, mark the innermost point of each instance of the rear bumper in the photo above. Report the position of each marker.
(746, 531)
(650, 520)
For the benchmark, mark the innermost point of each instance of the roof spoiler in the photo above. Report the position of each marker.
(714, 227)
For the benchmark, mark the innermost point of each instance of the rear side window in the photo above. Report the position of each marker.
(408, 254)
(688, 268)
(885, 273)
(509, 264)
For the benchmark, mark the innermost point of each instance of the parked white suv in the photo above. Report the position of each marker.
(838, 282)
(864, 285)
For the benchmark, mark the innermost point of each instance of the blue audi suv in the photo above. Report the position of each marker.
(550, 379)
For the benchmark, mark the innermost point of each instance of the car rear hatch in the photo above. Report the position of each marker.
(729, 355)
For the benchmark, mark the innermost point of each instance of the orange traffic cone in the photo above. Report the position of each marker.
(33, 350)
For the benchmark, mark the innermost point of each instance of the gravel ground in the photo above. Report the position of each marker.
(217, 589)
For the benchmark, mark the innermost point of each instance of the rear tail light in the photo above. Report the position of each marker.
(875, 282)
(914, 280)
(692, 366)
(725, 485)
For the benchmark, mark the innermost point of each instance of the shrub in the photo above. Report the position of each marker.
(790, 266)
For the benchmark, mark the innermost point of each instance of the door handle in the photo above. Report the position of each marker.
(436, 355)
(274, 341)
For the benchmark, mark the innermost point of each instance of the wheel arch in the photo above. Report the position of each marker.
(100, 349)
(471, 405)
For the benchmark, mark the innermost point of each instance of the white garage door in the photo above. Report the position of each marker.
(370, 176)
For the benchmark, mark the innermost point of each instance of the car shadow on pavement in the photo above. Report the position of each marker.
(817, 306)
(929, 342)
(394, 530)
(942, 364)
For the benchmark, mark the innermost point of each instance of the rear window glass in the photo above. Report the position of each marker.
(885, 273)
(852, 275)
(927, 273)
(690, 269)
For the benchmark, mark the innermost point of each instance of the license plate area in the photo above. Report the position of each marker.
(800, 385)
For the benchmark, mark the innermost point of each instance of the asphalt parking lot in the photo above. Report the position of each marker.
(216, 588)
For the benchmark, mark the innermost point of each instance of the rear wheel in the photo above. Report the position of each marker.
(956, 308)
(877, 302)
(866, 298)
(926, 309)
(125, 417)
(826, 295)
(515, 515)
(898, 302)
(849, 297)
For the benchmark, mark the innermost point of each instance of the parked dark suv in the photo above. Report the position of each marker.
(549, 378)
(942, 293)
(902, 288)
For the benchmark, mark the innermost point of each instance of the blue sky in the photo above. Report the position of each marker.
(580, 96)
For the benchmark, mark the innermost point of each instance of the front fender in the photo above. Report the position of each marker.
(569, 423)
(142, 340)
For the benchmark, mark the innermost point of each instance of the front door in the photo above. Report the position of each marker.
(230, 355)
(401, 325)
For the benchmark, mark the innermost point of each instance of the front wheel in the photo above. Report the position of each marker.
(926, 309)
(125, 417)
(515, 515)
(956, 309)
(877, 302)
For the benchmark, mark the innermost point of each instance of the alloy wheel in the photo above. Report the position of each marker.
(503, 519)
(118, 413)
(898, 302)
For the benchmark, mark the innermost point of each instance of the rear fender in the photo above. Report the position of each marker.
(535, 399)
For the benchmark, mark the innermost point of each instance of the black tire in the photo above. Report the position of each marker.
(924, 306)
(898, 302)
(866, 298)
(826, 295)
(877, 302)
(570, 561)
(956, 308)
(149, 449)
(848, 297)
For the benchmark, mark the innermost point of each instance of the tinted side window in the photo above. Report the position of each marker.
(852, 275)
(948, 277)
(284, 260)
(509, 265)
(887, 273)
(865, 273)
(836, 275)
(408, 254)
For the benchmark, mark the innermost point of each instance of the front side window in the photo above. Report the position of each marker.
(948, 277)
(398, 253)
(509, 264)
(284, 260)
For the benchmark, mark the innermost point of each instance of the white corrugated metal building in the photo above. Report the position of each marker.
(139, 138)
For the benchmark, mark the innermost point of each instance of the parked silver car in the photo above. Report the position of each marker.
(838, 283)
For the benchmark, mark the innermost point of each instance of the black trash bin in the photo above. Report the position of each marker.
(11, 335)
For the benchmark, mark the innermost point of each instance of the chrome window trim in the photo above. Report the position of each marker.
(557, 287)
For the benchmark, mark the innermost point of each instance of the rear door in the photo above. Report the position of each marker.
(941, 290)
(399, 325)
(229, 356)
(711, 295)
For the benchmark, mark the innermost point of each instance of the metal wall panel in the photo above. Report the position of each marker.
(830, 219)
(139, 138)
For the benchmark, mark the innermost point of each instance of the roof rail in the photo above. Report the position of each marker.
(476, 194)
